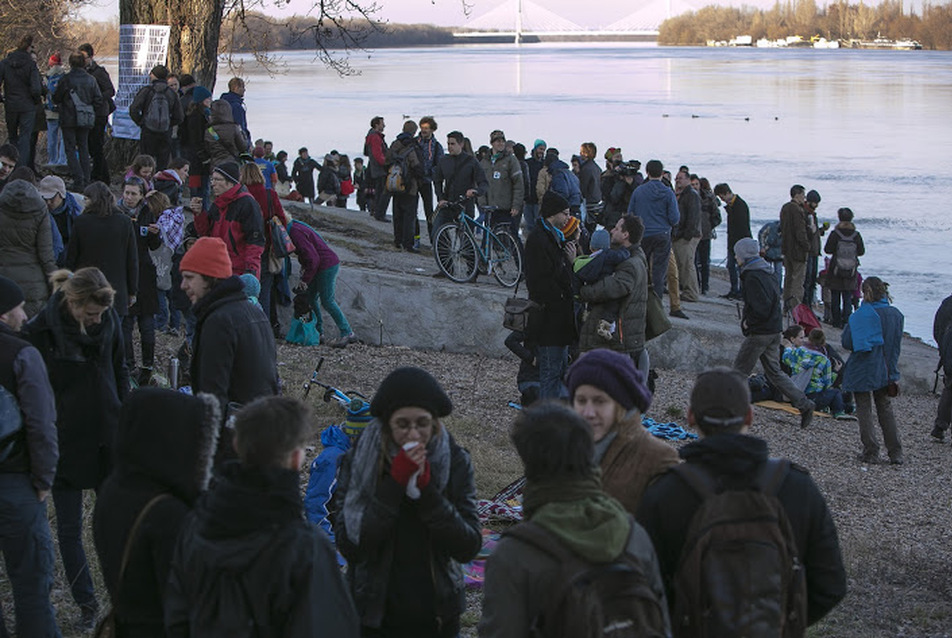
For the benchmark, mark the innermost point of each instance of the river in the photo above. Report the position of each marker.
(867, 129)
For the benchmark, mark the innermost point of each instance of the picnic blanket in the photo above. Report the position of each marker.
(786, 407)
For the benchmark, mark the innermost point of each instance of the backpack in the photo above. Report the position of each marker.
(770, 242)
(85, 113)
(11, 424)
(156, 116)
(593, 600)
(398, 172)
(845, 260)
(739, 573)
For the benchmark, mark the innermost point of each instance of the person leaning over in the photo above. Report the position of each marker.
(27, 467)
(720, 409)
(563, 497)
(404, 513)
(247, 562)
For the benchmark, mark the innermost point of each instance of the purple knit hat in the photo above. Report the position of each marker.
(613, 373)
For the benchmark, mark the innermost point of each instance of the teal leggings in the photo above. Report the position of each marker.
(321, 289)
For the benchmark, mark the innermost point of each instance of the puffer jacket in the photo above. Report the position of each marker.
(236, 218)
(506, 190)
(223, 138)
(22, 86)
(26, 242)
(86, 89)
(629, 283)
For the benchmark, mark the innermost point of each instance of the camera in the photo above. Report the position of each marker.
(628, 168)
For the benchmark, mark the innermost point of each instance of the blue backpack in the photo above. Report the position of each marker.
(51, 83)
(565, 183)
(770, 242)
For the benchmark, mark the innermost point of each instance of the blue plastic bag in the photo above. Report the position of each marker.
(303, 331)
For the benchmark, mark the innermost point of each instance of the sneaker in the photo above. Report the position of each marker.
(806, 416)
(938, 434)
(604, 330)
(678, 313)
(344, 340)
(843, 416)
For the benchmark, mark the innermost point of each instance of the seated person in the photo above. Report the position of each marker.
(820, 388)
(595, 267)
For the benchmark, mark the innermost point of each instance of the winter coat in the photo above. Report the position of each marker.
(147, 296)
(430, 152)
(534, 165)
(248, 564)
(405, 144)
(328, 180)
(239, 114)
(22, 87)
(106, 88)
(192, 137)
(589, 179)
(504, 177)
(942, 334)
(849, 231)
(669, 505)
(89, 379)
(312, 251)
(169, 184)
(87, 90)
(632, 461)
(710, 214)
(793, 232)
(302, 172)
(456, 174)
(549, 283)
(874, 369)
(140, 104)
(616, 193)
(629, 286)
(109, 244)
(657, 207)
(236, 218)
(64, 217)
(52, 77)
(165, 446)
(762, 312)
(443, 526)
(270, 205)
(558, 177)
(224, 140)
(234, 355)
(322, 477)
(26, 242)
(375, 148)
(689, 211)
(738, 221)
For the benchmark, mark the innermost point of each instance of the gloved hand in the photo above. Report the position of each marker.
(403, 467)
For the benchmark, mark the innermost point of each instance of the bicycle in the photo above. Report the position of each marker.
(463, 246)
(356, 404)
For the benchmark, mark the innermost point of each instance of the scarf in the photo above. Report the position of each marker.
(70, 342)
(558, 234)
(589, 522)
(367, 465)
(172, 224)
(756, 263)
(866, 327)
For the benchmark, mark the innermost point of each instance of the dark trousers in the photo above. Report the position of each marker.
(809, 282)
(76, 143)
(943, 415)
(732, 270)
(426, 194)
(28, 556)
(382, 199)
(404, 219)
(69, 533)
(20, 130)
(158, 145)
(702, 263)
(657, 248)
(97, 142)
(841, 303)
(146, 336)
(830, 398)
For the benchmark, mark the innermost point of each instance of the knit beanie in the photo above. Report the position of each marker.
(209, 257)
(358, 416)
(614, 374)
(55, 59)
(251, 285)
(552, 204)
(600, 240)
(200, 94)
(538, 143)
(746, 248)
(570, 227)
(230, 171)
(11, 295)
(406, 387)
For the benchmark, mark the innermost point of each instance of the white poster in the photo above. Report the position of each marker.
(141, 47)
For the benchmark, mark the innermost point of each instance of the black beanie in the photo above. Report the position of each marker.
(405, 387)
(552, 203)
(230, 171)
(11, 295)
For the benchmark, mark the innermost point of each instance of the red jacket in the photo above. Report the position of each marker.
(236, 218)
(270, 207)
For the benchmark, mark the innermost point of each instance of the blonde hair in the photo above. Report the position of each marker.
(251, 174)
(158, 202)
(85, 286)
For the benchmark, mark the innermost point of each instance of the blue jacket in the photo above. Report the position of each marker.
(565, 183)
(657, 207)
(323, 477)
(876, 368)
(238, 111)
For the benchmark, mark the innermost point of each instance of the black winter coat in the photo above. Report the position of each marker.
(248, 565)
(106, 87)
(942, 334)
(89, 379)
(456, 174)
(22, 86)
(689, 222)
(140, 104)
(147, 297)
(762, 312)
(234, 356)
(87, 90)
(165, 445)
(738, 221)
(549, 282)
(192, 136)
(410, 551)
(109, 244)
(669, 504)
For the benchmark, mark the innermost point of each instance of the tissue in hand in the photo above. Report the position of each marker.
(412, 490)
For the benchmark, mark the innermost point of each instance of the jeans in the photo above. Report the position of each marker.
(76, 143)
(322, 289)
(830, 398)
(766, 348)
(147, 339)
(841, 306)
(28, 556)
(69, 532)
(267, 283)
(20, 129)
(168, 315)
(54, 143)
(553, 362)
(657, 249)
(702, 264)
(778, 272)
(530, 212)
(158, 145)
(887, 423)
(809, 281)
(97, 141)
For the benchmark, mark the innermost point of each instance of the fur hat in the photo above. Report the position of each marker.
(746, 248)
(552, 204)
(209, 257)
(406, 387)
(11, 295)
(230, 171)
(613, 373)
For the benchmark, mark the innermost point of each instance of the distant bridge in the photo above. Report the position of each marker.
(523, 19)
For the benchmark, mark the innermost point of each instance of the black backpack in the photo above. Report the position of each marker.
(845, 259)
(739, 573)
(594, 600)
(157, 115)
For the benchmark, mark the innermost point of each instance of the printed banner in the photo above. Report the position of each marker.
(141, 47)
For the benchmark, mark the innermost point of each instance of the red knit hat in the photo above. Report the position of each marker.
(54, 60)
(209, 257)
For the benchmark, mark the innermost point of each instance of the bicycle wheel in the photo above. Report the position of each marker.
(455, 253)
(505, 258)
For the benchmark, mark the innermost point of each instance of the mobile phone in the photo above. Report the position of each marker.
(143, 231)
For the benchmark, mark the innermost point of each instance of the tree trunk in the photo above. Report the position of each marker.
(193, 40)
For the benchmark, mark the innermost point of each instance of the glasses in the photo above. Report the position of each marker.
(215, 178)
(422, 424)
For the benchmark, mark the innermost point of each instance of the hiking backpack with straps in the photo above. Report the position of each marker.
(845, 258)
(739, 573)
(157, 115)
(592, 600)
(398, 171)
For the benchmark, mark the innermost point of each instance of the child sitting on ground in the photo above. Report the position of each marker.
(820, 387)
(595, 267)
